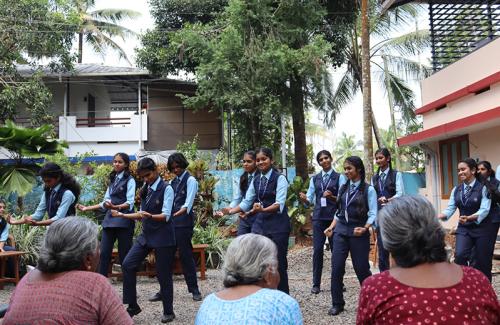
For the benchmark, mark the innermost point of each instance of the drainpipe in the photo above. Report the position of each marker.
(434, 168)
(139, 107)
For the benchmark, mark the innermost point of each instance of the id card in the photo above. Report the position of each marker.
(323, 202)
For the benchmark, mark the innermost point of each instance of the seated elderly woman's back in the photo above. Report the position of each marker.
(250, 279)
(61, 290)
(423, 287)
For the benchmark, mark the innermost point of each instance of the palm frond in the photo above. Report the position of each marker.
(392, 20)
(108, 42)
(407, 68)
(336, 99)
(114, 15)
(402, 95)
(409, 44)
(112, 30)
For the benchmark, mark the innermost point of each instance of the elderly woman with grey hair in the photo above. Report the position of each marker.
(64, 288)
(250, 279)
(423, 286)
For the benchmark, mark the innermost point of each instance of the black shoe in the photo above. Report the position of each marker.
(133, 310)
(344, 289)
(197, 296)
(315, 290)
(155, 297)
(335, 310)
(167, 318)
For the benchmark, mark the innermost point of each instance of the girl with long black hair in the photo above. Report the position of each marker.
(388, 183)
(486, 175)
(120, 195)
(158, 234)
(250, 172)
(322, 193)
(60, 194)
(266, 197)
(474, 223)
(357, 211)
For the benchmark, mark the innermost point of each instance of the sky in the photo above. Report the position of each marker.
(348, 121)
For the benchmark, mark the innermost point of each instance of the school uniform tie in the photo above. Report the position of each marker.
(149, 194)
(52, 197)
(381, 181)
(467, 192)
(250, 179)
(352, 189)
(115, 184)
(325, 179)
(262, 186)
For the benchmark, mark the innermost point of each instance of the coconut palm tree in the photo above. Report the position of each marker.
(396, 52)
(345, 146)
(99, 27)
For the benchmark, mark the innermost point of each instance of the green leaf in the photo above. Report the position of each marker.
(17, 180)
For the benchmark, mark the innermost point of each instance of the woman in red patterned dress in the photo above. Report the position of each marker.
(423, 287)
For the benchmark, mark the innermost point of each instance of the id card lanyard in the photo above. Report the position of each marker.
(323, 199)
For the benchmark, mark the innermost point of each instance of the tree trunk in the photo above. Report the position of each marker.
(255, 131)
(80, 47)
(390, 97)
(366, 86)
(299, 126)
(376, 132)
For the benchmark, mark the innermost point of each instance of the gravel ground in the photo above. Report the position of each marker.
(314, 307)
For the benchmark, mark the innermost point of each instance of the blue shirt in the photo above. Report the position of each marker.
(192, 188)
(67, 199)
(5, 233)
(266, 307)
(372, 203)
(237, 196)
(484, 208)
(130, 191)
(281, 189)
(311, 191)
(168, 199)
(399, 182)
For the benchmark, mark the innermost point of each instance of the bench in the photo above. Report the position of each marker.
(198, 249)
(15, 255)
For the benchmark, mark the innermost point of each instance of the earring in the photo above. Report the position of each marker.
(88, 267)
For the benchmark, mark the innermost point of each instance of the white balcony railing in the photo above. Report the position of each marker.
(73, 129)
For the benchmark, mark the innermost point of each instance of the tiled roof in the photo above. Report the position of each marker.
(83, 70)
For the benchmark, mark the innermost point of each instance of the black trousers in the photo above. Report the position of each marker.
(183, 236)
(109, 236)
(281, 241)
(319, 239)
(475, 248)
(359, 247)
(383, 254)
(164, 263)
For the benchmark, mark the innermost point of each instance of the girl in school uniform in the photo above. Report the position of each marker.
(185, 188)
(120, 195)
(322, 192)
(158, 233)
(492, 185)
(60, 194)
(474, 224)
(4, 236)
(357, 211)
(388, 184)
(250, 172)
(266, 198)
